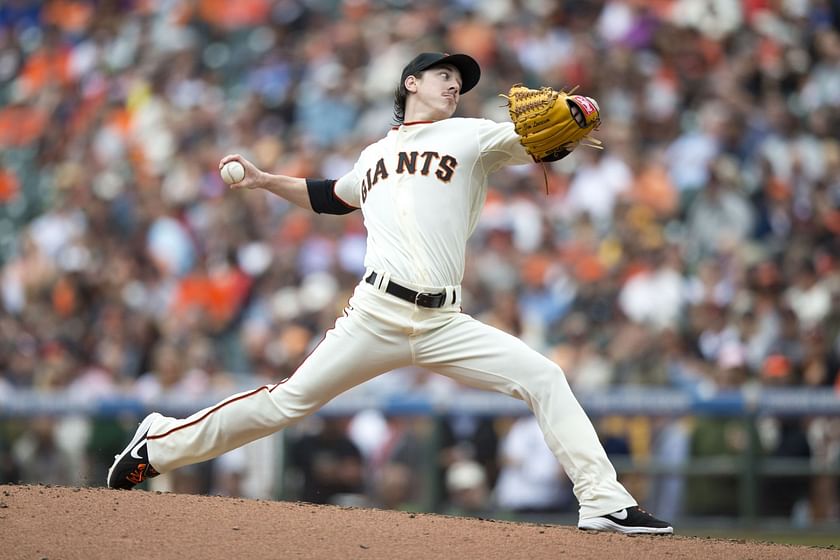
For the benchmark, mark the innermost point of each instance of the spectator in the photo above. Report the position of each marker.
(807, 297)
(399, 464)
(783, 437)
(466, 485)
(530, 479)
(654, 295)
(39, 457)
(720, 216)
(330, 464)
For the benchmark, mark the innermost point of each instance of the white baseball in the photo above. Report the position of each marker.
(232, 172)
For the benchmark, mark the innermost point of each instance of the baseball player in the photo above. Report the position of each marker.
(420, 190)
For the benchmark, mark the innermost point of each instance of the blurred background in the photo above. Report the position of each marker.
(686, 277)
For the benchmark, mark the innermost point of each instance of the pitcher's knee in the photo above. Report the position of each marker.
(550, 373)
(546, 381)
(295, 406)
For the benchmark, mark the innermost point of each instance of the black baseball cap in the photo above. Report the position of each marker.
(466, 65)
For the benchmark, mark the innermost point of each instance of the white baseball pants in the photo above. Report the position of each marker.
(379, 333)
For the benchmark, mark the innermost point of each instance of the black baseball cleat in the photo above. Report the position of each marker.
(629, 521)
(131, 467)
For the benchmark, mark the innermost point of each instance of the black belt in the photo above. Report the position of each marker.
(423, 299)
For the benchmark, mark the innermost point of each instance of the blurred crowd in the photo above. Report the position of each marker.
(699, 250)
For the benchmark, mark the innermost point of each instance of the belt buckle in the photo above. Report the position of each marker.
(426, 299)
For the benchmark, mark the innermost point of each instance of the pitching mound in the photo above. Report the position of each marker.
(88, 523)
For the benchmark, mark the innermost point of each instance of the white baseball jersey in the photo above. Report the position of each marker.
(421, 189)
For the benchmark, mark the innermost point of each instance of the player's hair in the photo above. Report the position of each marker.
(400, 98)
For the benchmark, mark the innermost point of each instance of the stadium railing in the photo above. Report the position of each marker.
(748, 404)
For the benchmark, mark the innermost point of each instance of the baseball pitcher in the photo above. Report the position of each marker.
(420, 190)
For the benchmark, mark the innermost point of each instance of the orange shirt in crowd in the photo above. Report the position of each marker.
(9, 186)
(46, 66)
(219, 295)
(69, 15)
(21, 125)
(234, 15)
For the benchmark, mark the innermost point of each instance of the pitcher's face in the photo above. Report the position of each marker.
(436, 91)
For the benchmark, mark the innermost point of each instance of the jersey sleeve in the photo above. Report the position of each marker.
(500, 145)
(348, 189)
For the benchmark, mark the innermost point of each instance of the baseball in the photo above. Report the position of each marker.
(232, 172)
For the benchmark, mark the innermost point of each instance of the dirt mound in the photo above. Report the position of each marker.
(89, 523)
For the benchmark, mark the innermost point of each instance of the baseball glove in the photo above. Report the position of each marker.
(551, 123)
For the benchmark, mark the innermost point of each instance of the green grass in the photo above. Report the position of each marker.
(805, 537)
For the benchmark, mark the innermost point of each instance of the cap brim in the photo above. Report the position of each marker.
(467, 66)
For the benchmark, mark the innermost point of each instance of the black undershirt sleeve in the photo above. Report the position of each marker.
(323, 199)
